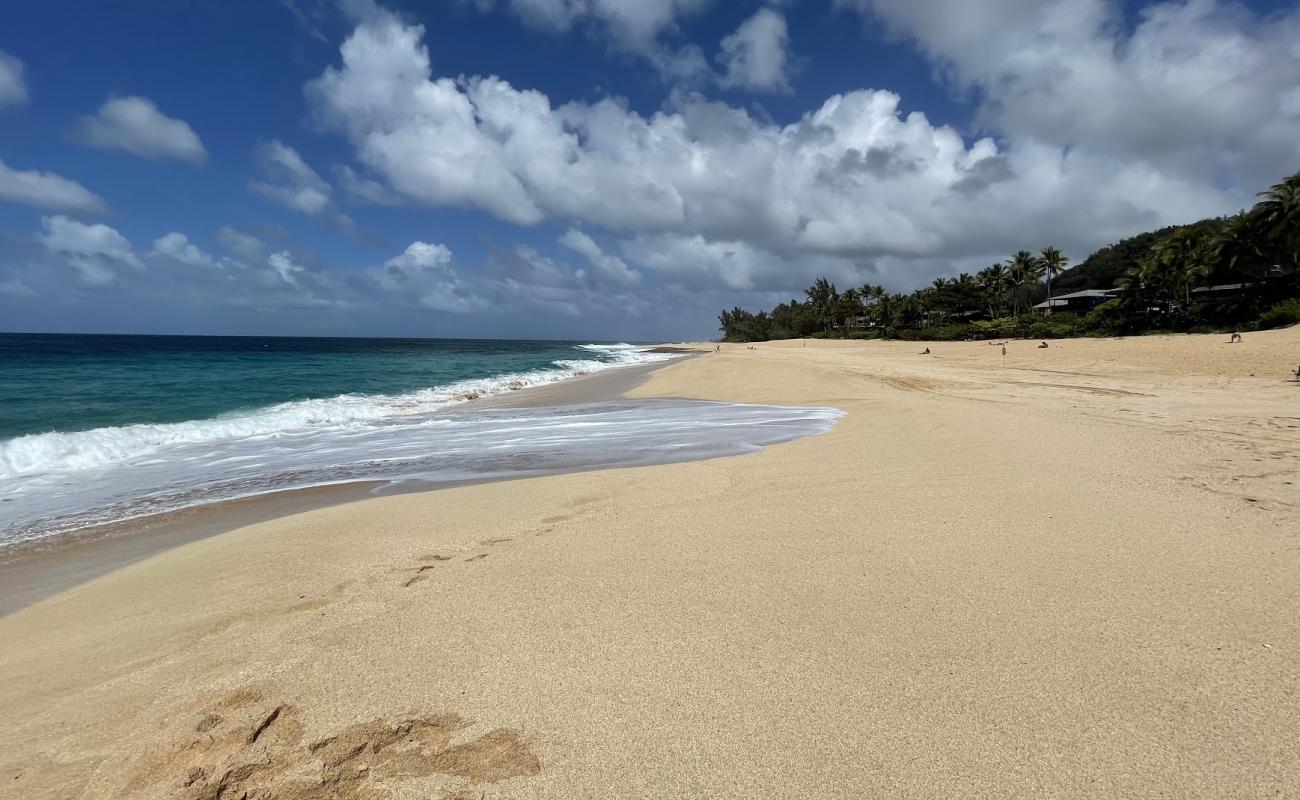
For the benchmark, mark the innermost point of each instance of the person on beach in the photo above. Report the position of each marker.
(1042, 346)
(924, 352)
(1236, 337)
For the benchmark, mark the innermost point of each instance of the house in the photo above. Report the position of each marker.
(1078, 302)
(1221, 290)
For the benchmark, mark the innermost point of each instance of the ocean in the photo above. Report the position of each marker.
(100, 429)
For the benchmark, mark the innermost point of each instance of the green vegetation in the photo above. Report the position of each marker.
(1239, 272)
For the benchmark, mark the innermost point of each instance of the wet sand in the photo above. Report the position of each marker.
(1070, 573)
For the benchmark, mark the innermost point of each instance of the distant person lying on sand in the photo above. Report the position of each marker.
(1042, 346)
(925, 352)
(1236, 337)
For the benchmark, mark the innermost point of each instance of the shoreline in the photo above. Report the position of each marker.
(1070, 574)
(34, 570)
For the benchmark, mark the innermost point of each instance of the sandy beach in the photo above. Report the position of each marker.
(1067, 572)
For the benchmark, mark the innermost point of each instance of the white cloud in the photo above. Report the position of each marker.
(857, 179)
(1199, 87)
(47, 190)
(284, 266)
(243, 244)
(290, 181)
(608, 267)
(517, 291)
(96, 252)
(638, 27)
(754, 56)
(366, 190)
(628, 21)
(178, 248)
(699, 264)
(424, 271)
(291, 283)
(13, 88)
(135, 124)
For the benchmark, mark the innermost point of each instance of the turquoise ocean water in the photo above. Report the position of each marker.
(97, 429)
(76, 383)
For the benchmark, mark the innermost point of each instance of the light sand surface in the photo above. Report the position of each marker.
(1075, 573)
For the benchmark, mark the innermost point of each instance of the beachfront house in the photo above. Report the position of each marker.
(1220, 291)
(1079, 302)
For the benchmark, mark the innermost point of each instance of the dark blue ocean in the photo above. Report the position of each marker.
(100, 429)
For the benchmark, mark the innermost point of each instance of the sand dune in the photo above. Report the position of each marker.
(1072, 573)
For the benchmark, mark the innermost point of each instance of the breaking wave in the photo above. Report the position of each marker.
(36, 454)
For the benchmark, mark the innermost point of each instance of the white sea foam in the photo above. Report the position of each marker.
(443, 446)
(57, 482)
(42, 453)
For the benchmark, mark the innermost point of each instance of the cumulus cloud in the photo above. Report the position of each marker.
(364, 189)
(291, 182)
(96, 252)
(135, 124)
(178, 248)
(858, 179)
(47, 190)
(176, 268)
(628, 21)
(754, 56)
(13, 88)
(294, 280)
(282, 264)
(638, 27)
(1096, 129)
(511, 293)
(608, 267)
(424, 271)
(241, 243)
(1200, 87)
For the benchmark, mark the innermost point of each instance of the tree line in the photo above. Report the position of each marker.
(1154, 277)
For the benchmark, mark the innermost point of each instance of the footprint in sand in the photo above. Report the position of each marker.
(249, 746)
(421, 572)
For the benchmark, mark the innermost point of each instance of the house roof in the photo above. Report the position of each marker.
(1222, 287)
(1064, 299)
(1085, 293)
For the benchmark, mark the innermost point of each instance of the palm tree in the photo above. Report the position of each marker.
(1234, 248)
(871, 298)
(1025, 271)
(992, 281)
(1277, 217)
(1054, 262)
(848, 306)
(1176, 262)
(1135, 289)
(823, 297)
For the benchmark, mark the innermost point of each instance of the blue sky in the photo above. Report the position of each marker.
(599, 168)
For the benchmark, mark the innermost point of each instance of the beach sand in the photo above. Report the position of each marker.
(1070, 572)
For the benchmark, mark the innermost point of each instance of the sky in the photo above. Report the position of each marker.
(600, 169)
